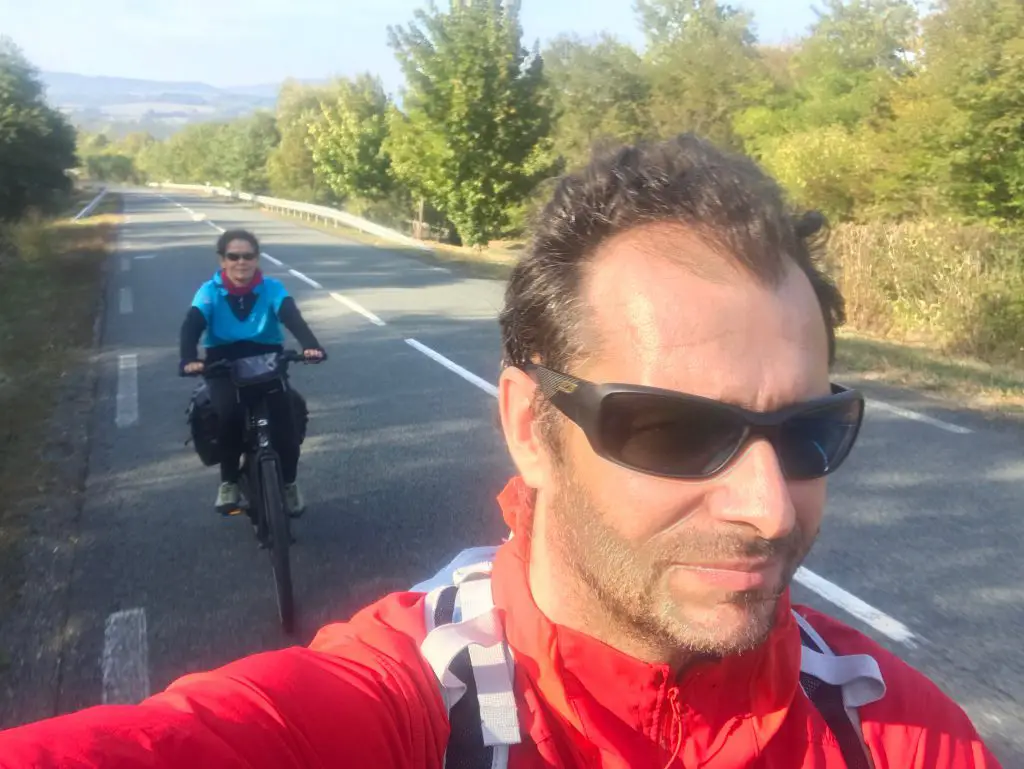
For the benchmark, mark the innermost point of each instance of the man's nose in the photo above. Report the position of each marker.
(755, 492)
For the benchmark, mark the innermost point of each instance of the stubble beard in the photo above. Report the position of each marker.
(630, 584)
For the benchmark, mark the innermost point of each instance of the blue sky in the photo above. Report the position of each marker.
(246, 42)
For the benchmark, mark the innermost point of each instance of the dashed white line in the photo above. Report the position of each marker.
(271, 259)
(215, 226)
(125, 301)
(304, 278)
(451, 365)
(875, 618)
(127, 391)
(146, 256)
(356, 307)
(125, 660)
(879, 620)
(918, 417)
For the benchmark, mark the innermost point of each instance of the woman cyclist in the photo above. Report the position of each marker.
(242, 311)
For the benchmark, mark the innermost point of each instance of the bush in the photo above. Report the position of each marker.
(29, 239)
(960, 288)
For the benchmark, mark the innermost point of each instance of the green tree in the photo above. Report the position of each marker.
(824, 125)
(853, 60)
(702, 66)
(248, 143)
(473, 137)
(971, 76)
(291, 170)
(599, 94)
(37, 145)
(347, 140)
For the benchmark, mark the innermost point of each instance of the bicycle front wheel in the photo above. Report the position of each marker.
(279, 540)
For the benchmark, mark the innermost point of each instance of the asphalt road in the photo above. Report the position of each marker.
(403, 460)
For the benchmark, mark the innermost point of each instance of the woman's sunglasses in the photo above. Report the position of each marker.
(675, 435)
(234, 256)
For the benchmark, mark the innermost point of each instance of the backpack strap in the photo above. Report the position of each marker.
(465, 646)
(466, 649)
(837, 685)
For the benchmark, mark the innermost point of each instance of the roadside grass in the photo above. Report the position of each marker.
(965, 381)
(51, 280)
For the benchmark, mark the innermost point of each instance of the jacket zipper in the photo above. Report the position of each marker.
(677, 724)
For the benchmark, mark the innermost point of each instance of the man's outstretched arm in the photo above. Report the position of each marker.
(344, 701)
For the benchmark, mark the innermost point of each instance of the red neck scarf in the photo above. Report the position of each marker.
(236, 290)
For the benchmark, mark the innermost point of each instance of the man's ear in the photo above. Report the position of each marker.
(516, 394)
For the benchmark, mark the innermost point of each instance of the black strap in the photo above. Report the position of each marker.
(466, 749)
(828, 699)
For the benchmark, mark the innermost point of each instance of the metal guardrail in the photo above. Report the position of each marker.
(89, 208)
(309, 209)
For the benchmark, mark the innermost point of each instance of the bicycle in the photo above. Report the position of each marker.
(260, 480)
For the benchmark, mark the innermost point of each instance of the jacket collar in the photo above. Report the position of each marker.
(586, 681)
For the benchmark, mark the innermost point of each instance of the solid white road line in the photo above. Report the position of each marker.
(304, 279)
(125, 660)
(850, 603)
(469, 376)
(908, 414)
(271, 259)
(127, 391)
(125, 301)
(868, 614)
(356, 307)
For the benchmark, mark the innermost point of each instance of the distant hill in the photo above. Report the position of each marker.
(118, 105)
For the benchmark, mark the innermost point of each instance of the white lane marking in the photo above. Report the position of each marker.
(469, 376)
(126, 264)
(146, 256)
(356, 307)
(127, 391)
(879, 620)
(917, 417)
(304, 279)
(271, 259)
(440, 269)
(125, 660)
(125, 302)
(197, 217)
(216, 227)
(92, 204)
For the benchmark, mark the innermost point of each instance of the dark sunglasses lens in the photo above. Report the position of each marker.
(815, 443)
(668, 436)
(247, 255)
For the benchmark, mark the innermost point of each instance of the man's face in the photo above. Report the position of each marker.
(698, 565)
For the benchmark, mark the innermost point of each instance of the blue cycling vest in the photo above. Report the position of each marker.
(223, 327)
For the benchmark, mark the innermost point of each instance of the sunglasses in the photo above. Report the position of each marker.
(234, 256)
(675, 435)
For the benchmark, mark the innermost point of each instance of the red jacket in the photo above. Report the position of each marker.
(362, 696)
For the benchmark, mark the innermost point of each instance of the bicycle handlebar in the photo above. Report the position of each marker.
(288, 356)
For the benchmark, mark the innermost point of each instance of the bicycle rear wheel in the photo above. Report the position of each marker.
(279, 540)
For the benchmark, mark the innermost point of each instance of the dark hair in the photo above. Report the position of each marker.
(227, 237)
(724, 199)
